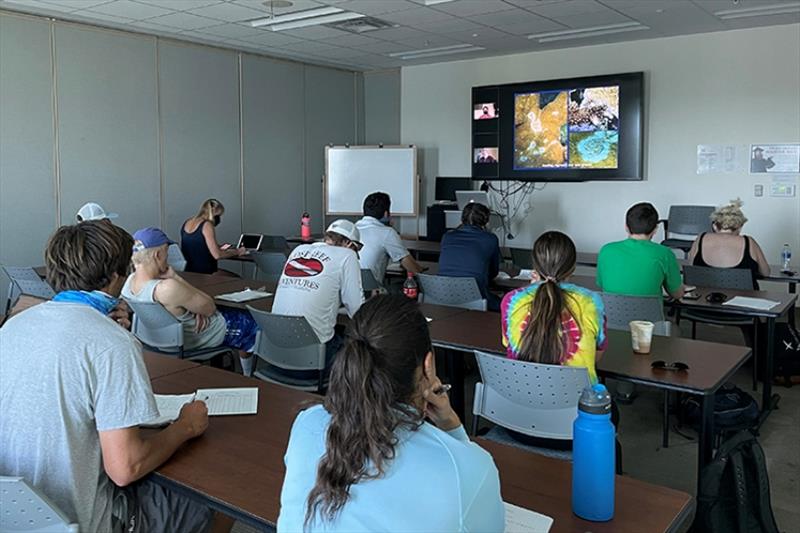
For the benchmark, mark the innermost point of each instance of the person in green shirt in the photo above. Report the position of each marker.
(637, 266)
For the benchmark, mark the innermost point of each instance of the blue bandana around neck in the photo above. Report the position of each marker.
(95, 299)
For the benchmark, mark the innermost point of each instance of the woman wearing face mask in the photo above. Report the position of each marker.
(199, 239)
(366, 459)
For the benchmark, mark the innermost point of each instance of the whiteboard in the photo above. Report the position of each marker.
(355, 172)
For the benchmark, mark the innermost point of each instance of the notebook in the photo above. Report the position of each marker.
(752, 303)
(520, 520)
(220, 402)
(244, 296)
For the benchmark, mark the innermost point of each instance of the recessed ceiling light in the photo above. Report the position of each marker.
(474, 34)
(441, 50)
(659, 10)
(593, 31)
(297, 15)
(316, 21)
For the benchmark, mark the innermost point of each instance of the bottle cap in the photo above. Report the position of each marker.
(595, 400)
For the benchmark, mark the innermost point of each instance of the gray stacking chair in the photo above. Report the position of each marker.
(686, 220)
(455, 292)
(522, 258)
(368, 281)
(25, 509)
(288, 343)
(25, 280)
(621, 309)
(534, 399)
(274, 243)
(161, 332)
(175, 258)
(721, 278)
(269, 265)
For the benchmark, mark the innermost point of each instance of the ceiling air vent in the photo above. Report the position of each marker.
(361, 25)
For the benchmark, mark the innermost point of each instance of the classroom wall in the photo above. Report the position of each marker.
(735, 87)
(150, 127)
(382, 107)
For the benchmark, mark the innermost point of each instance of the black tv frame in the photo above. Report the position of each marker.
(500, 131)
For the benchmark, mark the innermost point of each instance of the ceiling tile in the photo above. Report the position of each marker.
(184, 21)
(151, 26)
(180, 5)
(448, 25)
(36, 6)
(572, 7)
(671, 17)
(512, 16)
(398, 34)
(351, 40)
(228, 12)
(99, 17)
(130, 10)
(233, 31)
(469, 8)
(528, 28)
(307, 46)
(337, 52)
(411, 17)
(526, 4)
(376, 7)
(271, 38)
(591, 20)
(315, 32)
(430, 41)
(72, 5)
(383, 47)
(297, 5)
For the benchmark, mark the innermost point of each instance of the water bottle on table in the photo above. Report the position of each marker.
(786, 258)
(305, 227)
(593, 456)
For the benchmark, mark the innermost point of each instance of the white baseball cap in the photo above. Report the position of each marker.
(347, 229)
(93, 211)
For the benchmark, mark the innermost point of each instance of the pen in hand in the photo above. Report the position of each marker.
(445, 388)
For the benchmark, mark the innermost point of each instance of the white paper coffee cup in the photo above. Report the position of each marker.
(641, 335)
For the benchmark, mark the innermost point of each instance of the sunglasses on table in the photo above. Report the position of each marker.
(675, 367)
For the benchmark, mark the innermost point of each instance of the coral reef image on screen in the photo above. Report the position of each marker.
(577, 129)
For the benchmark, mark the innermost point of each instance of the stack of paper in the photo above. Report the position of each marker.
(519, 520)
(244, 296)
(753, 303)
(525, 274)
(229, 401)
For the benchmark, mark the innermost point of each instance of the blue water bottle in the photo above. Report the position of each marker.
(593, 456)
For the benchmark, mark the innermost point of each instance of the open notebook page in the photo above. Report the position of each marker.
(519, 520)
(230, 401)
(169, 407)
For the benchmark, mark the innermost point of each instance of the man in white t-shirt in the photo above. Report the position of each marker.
(381, 242)
(320, 278)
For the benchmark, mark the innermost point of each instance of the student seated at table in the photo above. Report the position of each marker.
(320, 278)
(199, 239)
(381, 241)
(74, 390)
(726, 247)
(470, 251)
(204, 326)
(366, 459)
(637, 266)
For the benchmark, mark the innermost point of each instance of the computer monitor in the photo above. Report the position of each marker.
(446, 188)
(468, 197)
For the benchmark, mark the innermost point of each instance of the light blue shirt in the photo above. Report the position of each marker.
(438, 481)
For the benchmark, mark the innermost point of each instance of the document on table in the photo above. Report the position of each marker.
(520, 520)
(524, 274)
(230, 401)
(753, 303)
(169, 407)
(244, 296)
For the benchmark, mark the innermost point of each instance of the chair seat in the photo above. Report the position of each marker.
(274, 375)
(715, 318)
(501, 435)
(680, 244)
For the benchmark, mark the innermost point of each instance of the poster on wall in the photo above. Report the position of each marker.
(775, 158)
(716, 158)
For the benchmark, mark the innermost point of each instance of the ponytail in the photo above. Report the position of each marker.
(372, 385)
(543, 340)
(209, 208)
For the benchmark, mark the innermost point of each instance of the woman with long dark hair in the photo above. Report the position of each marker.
(366, 459)
(553, 321)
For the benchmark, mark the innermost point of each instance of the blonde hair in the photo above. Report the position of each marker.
(730, 216)
(210, 208)
(142, 255)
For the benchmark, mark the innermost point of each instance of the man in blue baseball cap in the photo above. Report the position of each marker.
(204, 326)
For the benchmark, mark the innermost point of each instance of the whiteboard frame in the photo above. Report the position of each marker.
(326, 212)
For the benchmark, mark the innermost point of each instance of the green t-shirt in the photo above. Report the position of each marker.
(637, 268)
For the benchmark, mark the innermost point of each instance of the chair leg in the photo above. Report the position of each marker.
(475, 423)
(665, 425)
(694, 329)
(755, 356)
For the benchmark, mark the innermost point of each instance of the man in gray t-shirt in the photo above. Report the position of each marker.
(74, 388)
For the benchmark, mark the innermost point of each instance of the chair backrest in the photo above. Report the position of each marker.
(274, 243)
(156, 327)
(455, 292)
(532, 398)
(621, 309)
(26, 509)
(690, 219)
(718, 278)
(270, 264)
(175, 258)
(368, 281)
(522, 258)
(25, 280)
(287, 342)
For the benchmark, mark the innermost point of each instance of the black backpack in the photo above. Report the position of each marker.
(734, 410)
(734, 490)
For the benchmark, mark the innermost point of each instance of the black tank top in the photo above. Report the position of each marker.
(195, 251)
(746, 262)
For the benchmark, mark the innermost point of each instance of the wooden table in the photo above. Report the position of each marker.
(237, 467)
(159, 365)
(784, 307)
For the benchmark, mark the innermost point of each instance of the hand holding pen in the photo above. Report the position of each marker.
(437, 406)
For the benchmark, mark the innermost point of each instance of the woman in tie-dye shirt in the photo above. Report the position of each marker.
(552, 321)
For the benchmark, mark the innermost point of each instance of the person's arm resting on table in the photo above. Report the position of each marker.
(128, 455)
(397, 252)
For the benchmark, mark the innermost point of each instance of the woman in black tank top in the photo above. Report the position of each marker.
(729, 220)
(199, 246)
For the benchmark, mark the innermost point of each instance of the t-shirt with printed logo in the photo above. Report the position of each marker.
(316, 280)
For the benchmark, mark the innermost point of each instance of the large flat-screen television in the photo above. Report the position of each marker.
(576, 129)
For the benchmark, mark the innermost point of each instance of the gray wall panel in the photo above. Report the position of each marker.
(329, 118)
(199, 91)
(27, 179)
(272, 126)
(107, 121)
(382, 107)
